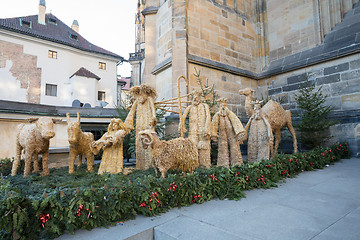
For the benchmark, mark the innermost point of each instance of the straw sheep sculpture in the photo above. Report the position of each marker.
(79, 144)
(178, 153)
(34, 138)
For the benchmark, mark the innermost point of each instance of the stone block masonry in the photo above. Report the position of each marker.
(341, 77)
(218, 32)
(340, 80)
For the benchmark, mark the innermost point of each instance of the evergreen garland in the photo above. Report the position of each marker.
(45, 207)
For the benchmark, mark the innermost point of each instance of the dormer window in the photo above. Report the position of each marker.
(25, 23)
(53, 21)
(73, 36)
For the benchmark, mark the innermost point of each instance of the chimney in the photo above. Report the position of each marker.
(42, 8)
(75, 26)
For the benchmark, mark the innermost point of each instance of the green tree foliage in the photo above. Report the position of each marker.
(314, 115)
(208, 92)
(129, 140)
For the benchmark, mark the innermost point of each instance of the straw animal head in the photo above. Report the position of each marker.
(45, 125)
(146, 138)
(73, 129)
(247, 92)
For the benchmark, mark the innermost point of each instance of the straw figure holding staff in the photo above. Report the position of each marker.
(199, 127)
(144, 108)
(231, 132)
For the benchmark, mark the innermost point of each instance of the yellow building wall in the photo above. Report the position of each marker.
(217, 32)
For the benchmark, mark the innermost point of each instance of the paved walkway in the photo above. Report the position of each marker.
(323, 204)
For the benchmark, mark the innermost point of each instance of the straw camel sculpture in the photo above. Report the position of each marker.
(275, 114)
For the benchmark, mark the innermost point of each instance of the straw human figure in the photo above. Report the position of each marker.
(199, 127)
(261, 139)
(231, 133)
(144, 110)
(112, 144)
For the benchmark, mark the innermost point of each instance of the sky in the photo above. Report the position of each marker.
(109, 24)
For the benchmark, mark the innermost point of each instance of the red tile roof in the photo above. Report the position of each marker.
(55, 31)
(83, 72)
(125, 81)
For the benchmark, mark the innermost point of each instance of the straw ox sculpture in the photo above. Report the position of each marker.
(34, 138)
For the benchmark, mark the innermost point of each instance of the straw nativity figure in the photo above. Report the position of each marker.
(261, 139)
(274, 113)
(199, 127)
(112, 144)
(144, 109)
(231, 133)
(79, 144)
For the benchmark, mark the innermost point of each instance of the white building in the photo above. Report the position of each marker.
(44, 61)
(45, 68)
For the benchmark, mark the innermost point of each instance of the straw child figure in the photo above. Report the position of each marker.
(261, 139)
(112, 144)
(231, 132)
(144, 109)
(199, 127)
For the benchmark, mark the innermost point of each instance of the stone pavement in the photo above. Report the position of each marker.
(323, 204)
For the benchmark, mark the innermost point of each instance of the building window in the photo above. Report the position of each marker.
(102, 65)
(101, 96)
(73, 36)
(25, 23)
(51, 90)
(52, 54)
(53, 21)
